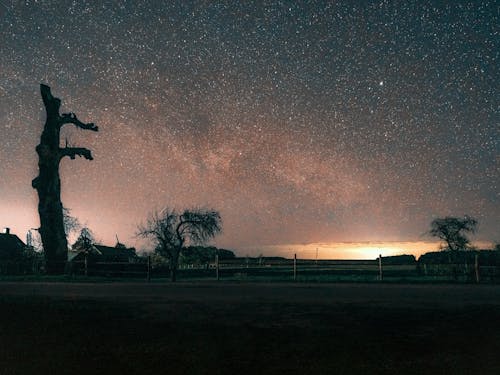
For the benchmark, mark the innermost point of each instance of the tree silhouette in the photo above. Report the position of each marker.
(452, 230)
(71, 223)
(84, 241)
(172, 231)
(48, 183)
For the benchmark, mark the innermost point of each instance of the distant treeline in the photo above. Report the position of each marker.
(485, 257)
(399, 259)
(199, 255)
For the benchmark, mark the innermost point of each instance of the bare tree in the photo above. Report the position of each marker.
(172, 232)
(452, 230)
(48, 183)
(84, 241)
(71, 223)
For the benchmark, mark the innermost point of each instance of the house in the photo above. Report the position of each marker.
(11, 247)
(91, 259)
(100, 253)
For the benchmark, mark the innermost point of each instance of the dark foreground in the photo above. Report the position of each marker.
(210, 328)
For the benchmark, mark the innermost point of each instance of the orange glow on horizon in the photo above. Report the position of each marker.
(354, 250)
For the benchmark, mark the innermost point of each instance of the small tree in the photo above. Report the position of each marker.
(172, 232)
(452, 230)
(71, 223)
(84, 241)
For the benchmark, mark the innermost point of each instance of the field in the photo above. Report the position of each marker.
(247, 328)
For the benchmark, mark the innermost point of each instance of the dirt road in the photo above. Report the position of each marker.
(402, 295)
(248, 328)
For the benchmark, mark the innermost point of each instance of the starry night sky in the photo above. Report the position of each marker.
(302, 123)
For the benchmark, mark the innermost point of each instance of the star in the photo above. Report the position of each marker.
(276, 116)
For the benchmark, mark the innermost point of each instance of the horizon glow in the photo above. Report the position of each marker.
(353, 250)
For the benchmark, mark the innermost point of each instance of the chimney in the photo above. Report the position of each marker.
(6, 230)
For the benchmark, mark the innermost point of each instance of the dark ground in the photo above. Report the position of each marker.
(230, 328)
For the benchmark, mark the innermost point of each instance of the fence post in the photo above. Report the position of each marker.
(294, 267)
(217, 266)
(86, 265)
(476, 267)
(380, 276)
(149, 269)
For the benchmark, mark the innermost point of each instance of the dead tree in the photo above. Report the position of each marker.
(48, 183)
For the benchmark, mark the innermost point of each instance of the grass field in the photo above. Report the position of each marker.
(248, 328)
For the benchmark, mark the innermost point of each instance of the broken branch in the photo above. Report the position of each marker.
(70, 118)
(72, 152)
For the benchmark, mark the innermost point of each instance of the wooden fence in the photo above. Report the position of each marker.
(272, 269)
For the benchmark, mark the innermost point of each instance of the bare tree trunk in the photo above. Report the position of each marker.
(48, 183)
(173, 273)
(173, 267)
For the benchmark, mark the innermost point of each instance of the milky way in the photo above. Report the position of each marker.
(323, 122)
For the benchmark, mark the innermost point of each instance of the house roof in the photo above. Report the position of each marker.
(117, 253)
(108, 251)
(10, 245)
